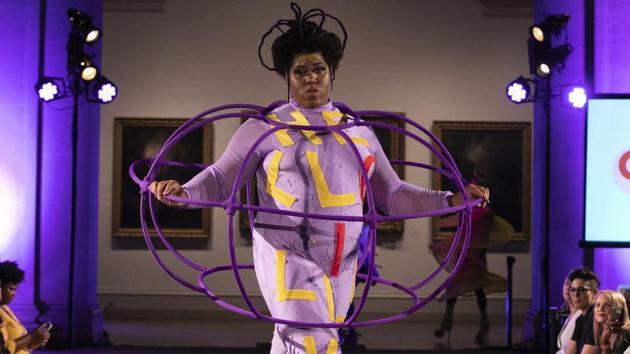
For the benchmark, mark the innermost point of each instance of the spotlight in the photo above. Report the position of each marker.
(519, 91)
(50, 88)
(83, 24)
(577, 97)
(552, 25)
(88, 70)
(542, 58)
(102, 90)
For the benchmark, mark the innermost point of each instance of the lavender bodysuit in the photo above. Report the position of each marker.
(306, 267)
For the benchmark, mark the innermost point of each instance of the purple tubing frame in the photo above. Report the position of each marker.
(372, 217)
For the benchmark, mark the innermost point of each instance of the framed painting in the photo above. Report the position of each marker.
(141, 138)
(496, 155)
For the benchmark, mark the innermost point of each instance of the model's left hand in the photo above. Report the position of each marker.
(473, 191)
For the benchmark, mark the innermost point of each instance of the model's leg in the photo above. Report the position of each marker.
(297, 289)
(447, 320)
(484, 324)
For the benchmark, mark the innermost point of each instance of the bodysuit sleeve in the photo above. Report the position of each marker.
(215, 182)
(394, 196)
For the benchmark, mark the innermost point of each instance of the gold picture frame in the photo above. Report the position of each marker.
(141, 138)
(496, 155)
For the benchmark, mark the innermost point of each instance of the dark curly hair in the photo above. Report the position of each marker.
(303, 36)
(587, 275)
(10, 273)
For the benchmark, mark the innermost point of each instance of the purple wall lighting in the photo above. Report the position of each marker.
(18, 111)
(35, 213)
(612, 46)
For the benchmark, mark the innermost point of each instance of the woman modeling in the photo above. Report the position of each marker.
(305, 267)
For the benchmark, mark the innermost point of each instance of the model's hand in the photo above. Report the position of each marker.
(473, 191)
(168, 188)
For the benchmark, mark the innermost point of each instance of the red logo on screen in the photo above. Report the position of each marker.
(621, 172)
(624, 166)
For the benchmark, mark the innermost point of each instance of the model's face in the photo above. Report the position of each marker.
(581, 294)
(309, 80)
(602, 308)
(565, 292)
(8, 293)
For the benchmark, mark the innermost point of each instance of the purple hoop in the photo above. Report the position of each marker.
(372, 217)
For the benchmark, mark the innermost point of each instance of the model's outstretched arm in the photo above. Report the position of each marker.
(215, 182)
(394, 196)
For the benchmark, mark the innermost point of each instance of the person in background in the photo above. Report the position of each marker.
(18, 340)
(583, 290)
(566, 332)
(3, 332)
(611, 326)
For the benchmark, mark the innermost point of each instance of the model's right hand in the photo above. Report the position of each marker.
(165, 188)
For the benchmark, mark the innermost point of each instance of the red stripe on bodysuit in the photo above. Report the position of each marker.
(340, 234)
(367, 163)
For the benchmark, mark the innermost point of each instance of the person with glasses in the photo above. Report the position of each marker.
(566, 332)
(583, 290)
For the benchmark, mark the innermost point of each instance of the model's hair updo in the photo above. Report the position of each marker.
(303, 36)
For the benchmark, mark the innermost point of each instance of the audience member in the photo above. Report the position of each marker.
(3, 333)
(583, 290)
(18, 339)
(566, 332)
(611, 326)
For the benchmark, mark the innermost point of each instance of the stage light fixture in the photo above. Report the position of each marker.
(83, 24)
(102, 90)
(543, 59)
(50, 88)
(519, 91)
(88, 71)
(577, 97)
(552, 25)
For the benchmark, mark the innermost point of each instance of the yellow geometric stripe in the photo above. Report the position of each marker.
(326, 198)
(341, 318)
(332, 118)
(309, 344)
(332, 346)
(282, 135)
(329, 299)
(301, 120)
(278, 194)
(284, 294)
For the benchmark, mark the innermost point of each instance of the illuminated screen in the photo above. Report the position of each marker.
(607, 206)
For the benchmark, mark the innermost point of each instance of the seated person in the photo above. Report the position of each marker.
(3, 333)
(583, 290)
(18, 340)
(566, 332)
(612, 325)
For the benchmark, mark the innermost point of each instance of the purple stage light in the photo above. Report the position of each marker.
(518, 91)
(50, 88)
(577, 97)
(102, 91)
(107, 92)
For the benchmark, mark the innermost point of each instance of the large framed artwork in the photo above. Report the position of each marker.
(141, 138)
(496, 155)
(390, 232)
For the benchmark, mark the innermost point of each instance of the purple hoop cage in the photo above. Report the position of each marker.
(371, 218)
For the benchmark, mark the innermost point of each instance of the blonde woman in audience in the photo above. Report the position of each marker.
(611, 325)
